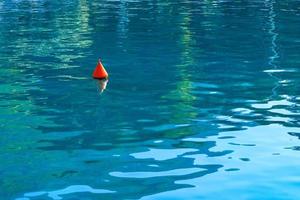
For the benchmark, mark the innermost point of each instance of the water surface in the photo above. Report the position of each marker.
(202, 101)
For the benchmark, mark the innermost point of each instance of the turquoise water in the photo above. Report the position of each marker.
(202, 100)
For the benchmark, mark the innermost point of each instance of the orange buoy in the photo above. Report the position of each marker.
(100, 72)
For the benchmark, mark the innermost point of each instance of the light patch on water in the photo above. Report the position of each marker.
(153, 165)
(56, 194)
(258, 144)
(245, 84)
(224, 126)
(285, 81)
(231, 119)
(162, 154)
(145, 120)
(279, 70)
(270, 104)
(278, 119)
(208, 92)
(175, 172)
(242, 110)
(205, 85)
(166, 127)
(283, 112)
(182, 125)
(35, 194)
(194, 140)
(69, 77)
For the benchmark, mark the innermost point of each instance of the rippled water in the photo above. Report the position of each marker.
(202, 101)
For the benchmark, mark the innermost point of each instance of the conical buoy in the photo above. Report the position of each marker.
(100, 72)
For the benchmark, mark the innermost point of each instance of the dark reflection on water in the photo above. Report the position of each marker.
(200, 93)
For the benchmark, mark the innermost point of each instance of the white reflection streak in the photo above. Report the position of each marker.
(56, 194)
(272, 15)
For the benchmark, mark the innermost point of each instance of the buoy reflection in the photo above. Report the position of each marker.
(102, 83)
